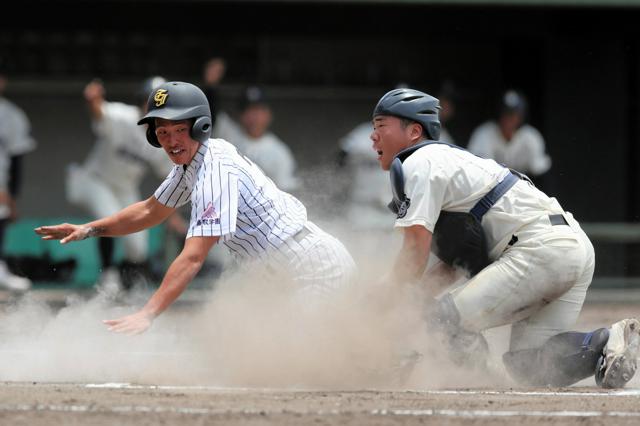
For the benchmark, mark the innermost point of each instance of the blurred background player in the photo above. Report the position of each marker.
(510, 141)
(15, 142)
(448, 99)
(110, 177)
(212, 74)
(368, 191)
(254, 139)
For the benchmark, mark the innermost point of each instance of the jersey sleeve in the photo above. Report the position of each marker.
(214, 209)
(174, 191)
(425, 186)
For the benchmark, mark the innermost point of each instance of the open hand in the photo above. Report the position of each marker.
(131, 324)
(65, 232)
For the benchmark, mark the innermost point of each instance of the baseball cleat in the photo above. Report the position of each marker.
(619, 361)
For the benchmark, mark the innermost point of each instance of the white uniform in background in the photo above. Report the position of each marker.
(233, 199)
(445, 136)
(15, 131)
(538, 283)
(110, 177)
(369, 189)
(15, 139)
(270, 153)
(525, 152)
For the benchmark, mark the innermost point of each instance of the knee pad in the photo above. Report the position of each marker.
(564, 359)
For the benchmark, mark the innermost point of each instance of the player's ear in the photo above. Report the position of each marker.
(416, 131)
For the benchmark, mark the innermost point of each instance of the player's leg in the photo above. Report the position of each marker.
(542, 352)
(135, 268)
(528, 276)
(9, 280)
(89, 192)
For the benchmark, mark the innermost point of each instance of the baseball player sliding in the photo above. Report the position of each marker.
(530, 264)
(232, 202)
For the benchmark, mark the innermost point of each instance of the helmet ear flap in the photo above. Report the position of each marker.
(201, 129)
(151, 134)
(433, 130)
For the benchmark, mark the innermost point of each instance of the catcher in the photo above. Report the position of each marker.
(528, 262)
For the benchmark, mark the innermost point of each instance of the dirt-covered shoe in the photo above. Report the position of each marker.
(619, 361)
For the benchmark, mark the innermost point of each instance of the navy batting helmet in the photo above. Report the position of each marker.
(412, 105)
(176, 100)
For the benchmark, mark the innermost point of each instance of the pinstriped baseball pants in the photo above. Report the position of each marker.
(318, 263)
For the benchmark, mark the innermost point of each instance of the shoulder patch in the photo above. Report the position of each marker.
(404, 206)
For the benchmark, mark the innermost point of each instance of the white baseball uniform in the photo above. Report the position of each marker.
(15, 136)
(538, 283)
(369, 191)
(110, 177)
(233, 199)
(269, 152)
(525, 151)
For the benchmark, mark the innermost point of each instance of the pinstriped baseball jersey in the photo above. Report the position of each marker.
(231, 198)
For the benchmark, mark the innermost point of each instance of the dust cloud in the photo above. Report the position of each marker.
(246, 332)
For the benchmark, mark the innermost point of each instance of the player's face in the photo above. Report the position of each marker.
(175, 139)
(256, 120)
(389, 137)
(509, 124)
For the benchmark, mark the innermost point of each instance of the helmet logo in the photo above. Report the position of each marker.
(160, 97)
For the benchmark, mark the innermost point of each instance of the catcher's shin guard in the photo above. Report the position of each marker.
(564, 359)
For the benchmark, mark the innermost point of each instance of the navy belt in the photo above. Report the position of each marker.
(555, 219)
(301, 234)
(558, 219)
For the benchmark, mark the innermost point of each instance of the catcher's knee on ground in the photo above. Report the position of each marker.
(563, 360)
(465, 347)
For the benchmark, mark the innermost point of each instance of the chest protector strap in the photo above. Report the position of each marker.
(458, 238)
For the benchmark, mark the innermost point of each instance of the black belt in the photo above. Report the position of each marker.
(558, 219)
(301, 234)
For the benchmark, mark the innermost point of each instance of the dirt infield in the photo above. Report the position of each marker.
(107, 404)
(143, 402)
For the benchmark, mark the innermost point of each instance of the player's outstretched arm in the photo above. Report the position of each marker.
(178, 276)
(134, 218)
